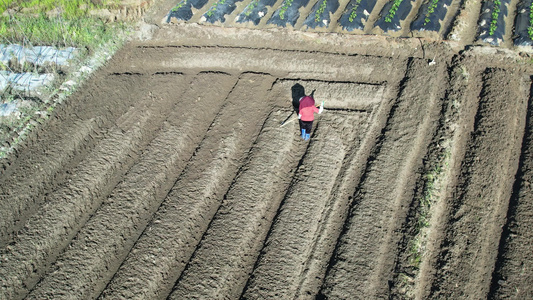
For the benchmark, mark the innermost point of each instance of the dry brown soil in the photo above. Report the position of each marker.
(168, 175)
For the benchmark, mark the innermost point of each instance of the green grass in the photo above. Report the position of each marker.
(59, 23)
(54, 22)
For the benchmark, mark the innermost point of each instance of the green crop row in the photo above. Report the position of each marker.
(67, 8)
(214, 8)
(251, 7)
(320, 10)
(353, 14)
(180, 5)
(392, 10)
(530, 28)
(284, 7)
(431, 10)
(494, 17)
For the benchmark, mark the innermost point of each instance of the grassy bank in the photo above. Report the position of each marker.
(58, 23)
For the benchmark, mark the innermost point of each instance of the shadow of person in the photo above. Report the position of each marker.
(298, 91)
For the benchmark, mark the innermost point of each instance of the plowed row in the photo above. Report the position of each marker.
(168, 176)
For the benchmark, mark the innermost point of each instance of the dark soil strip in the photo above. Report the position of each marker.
(42, 160)
(162, 252)
(22, 193)
(481, 198)
(514, 272)
(224, 259)
(67, 209)
(102, 244)
(305, 209)
(366, 251)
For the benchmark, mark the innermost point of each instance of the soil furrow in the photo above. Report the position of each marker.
(338, 208)
(381, 203)
(299, 65)
(68, 208)
(98, 250)
(160, 255)
(465, 88)
(484, 190)
(338, 95)
(514, 272)
(23, 201)
(224, 259)
(297, 225)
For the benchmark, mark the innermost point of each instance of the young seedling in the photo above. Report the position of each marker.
(494, 16)
(353, 14)
(431, 10)
(320, 10)
(393, 10)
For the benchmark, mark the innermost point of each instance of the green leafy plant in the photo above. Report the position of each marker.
(353, 14)
(251, 7)
(214, 7)
(284, 7)
(59, 23)
(393, 10)
(431, 10)
(494, 17)
(320, 10)
(180, 5)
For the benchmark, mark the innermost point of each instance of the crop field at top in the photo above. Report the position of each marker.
(168, 175)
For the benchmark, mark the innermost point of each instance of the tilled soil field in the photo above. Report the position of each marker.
(168, 176)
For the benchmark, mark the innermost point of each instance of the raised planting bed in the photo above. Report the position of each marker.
(492, 21)
(288, 13)
(430, 15)
(183, 10)
(392, 13)
(255, 11)
(356, 14)
(524, 24)
(321, 13)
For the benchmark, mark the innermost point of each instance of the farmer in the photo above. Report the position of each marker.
(306, 114)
